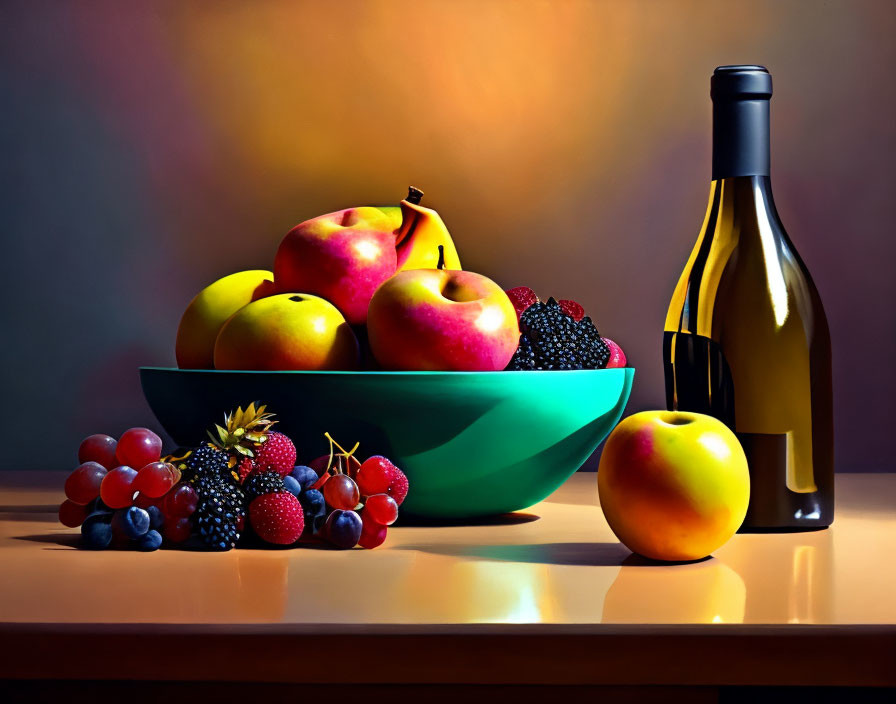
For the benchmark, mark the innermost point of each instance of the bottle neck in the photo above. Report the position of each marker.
(740, 138)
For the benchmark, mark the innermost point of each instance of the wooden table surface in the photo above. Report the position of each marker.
(544, 596)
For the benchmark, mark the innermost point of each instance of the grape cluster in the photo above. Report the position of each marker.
(360, 500)
(551, 339)
(117, 505)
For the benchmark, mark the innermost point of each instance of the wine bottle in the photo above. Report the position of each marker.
(746, 339)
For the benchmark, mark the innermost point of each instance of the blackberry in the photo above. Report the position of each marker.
(524, 358)
(206, 460)
(595, 353)
(263, 483)
(220, 509)
(552, 339)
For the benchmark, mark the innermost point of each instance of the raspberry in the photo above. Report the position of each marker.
(398, 488)
(522, 297)
(617, 356)
(572, 309)
(277, 518)
(245, 468)
(277, 453)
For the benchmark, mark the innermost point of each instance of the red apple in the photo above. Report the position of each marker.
(342, 257)
(439, 319)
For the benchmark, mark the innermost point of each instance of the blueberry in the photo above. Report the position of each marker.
(344, 528)
(97, 506)
(291, 485)
(156, 517)
(149, 541)
(131, 522)
(97, 533)
(313, 504)
(98, 517)
(305, 476)
(318, 525)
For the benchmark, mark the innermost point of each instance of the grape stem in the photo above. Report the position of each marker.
(342, 456)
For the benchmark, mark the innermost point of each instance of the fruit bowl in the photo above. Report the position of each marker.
(471, 443)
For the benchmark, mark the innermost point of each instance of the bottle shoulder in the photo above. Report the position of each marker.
(743, 266)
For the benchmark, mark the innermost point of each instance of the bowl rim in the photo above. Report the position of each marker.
(357, 372)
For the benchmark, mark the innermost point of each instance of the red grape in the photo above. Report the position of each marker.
(71, 514)
(177, 531)
(372, 533)
(98, 448)
(156, 479)
(117, 489)
(83, 485)
(144, 501)
(342, 492)
(138, 447)
(180, 502)
(319, 464)
(351, 465)
(375, 475)
(382, 509)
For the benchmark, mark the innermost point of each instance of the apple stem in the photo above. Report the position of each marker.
(441, 264)
(414, 195)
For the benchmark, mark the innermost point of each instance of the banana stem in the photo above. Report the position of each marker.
(414, 195)
(441, 264)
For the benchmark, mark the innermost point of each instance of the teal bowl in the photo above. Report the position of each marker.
(471, 443)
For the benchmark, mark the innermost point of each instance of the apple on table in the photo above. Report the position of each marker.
(673, 485)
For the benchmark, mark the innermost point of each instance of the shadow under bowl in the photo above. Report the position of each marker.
(471, 443)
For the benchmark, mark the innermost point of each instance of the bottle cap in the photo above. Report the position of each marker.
(741, 83)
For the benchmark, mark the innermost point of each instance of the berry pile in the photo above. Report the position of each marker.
(244, 481)
(335, 498)
(557, 335)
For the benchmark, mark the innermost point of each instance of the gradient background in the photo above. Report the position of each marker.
(148, 148)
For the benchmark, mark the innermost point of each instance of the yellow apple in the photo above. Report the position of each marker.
(287, 331)
(210, 309)
(673, 486)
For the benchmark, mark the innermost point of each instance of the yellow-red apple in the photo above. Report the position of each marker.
(438, 319)
(673, 486)
(287, 331)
